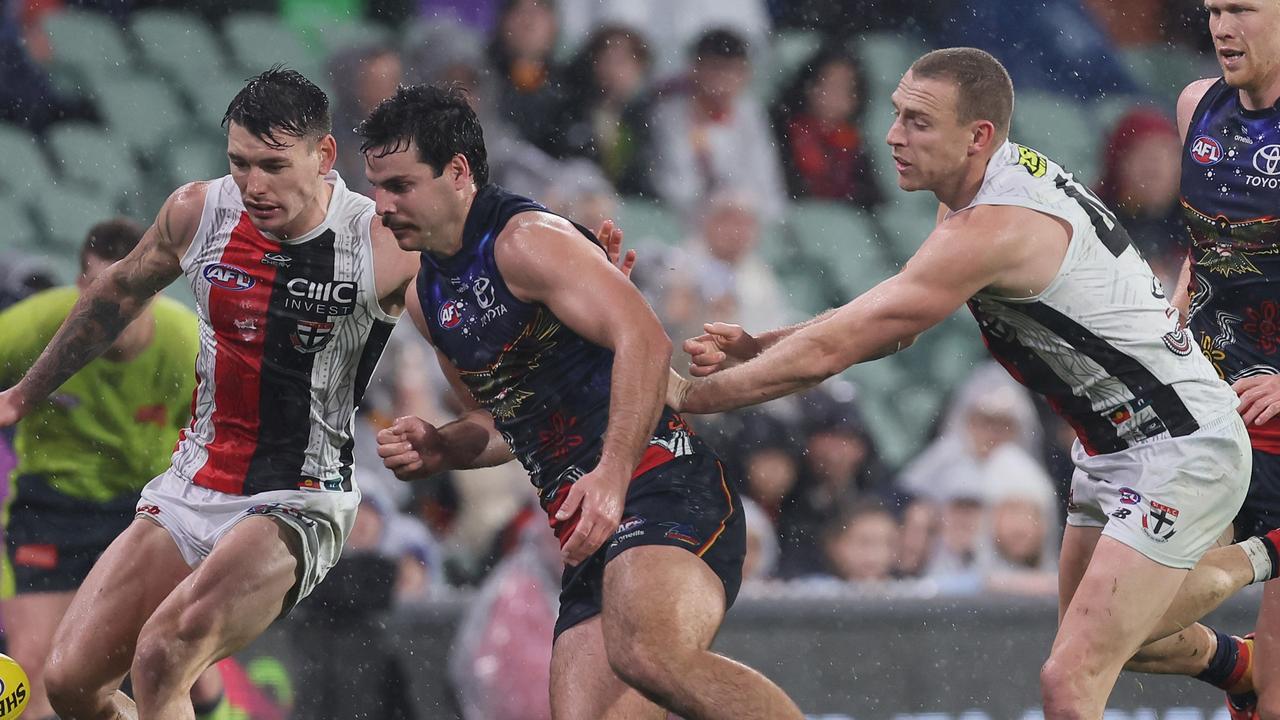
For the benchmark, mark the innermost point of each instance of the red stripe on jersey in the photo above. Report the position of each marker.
(239, 295)
(1266, 437)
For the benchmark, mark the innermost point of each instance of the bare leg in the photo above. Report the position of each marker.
(94, 644)
(1117, 605)
(227, 602)
(662, 608)
(1266, 659)
(584, 687)
(30, 620)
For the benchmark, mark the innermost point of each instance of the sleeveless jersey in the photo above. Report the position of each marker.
(110, 427)
(1101, 342)
(1231, 201)
(546, 387)
(290, 332)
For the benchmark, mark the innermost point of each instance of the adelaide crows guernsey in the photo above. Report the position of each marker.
(546, 387)
(1231, 201)
(290, 332)
(1101, 342)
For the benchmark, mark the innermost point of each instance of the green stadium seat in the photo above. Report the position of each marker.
(790, 49)
(334, 36)
(886, 57)
(17, 229)
(28, 172)
(180, 46)
(1164, 71)
(142, 112)
(645, 222)
(907, 219)
(203, 158)
(87, 46)
(66, 214)
(211, 104)
(93, 159)
(843, 239)
(259, 40)
(1057, 126)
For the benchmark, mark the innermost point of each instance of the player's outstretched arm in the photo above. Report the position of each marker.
(107, 306)
(961, 257)
(544, 259)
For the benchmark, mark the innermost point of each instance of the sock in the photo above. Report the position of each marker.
(1231, 666)
(213, 710)
(1261, 551)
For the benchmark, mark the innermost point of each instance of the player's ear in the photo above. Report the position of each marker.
(459, 171)
(983, 135)
(327, 146)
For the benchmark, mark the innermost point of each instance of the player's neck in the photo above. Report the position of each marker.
(968, 182)
(446, 239)
(312, 218)
(1263, 96)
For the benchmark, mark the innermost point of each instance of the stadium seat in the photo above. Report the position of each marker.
(907, 219)
(93, 159)
(198, 158)
(87, 46)
(336, 35)
(28, 171)
(67, 213)
(180, 46)
(843, 239)
(1056, 125)
(1164, 71)
(18, 229)
(260, 40)
(885, 57)
(645, 222)
(790, 49)
(211, 104)
(142, 112)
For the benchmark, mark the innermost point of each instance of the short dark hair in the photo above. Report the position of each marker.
(280, 100)
(720, 43)
(983, 88)
(110, 240)
(437, 118)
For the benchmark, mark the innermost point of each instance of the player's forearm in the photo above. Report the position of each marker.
(473, 441)
(103, 311)
(641, 364)
(770, 338)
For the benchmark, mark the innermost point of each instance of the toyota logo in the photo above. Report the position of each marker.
(1267, 160)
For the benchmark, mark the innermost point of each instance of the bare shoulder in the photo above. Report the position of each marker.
(531, 235)
(393, 266)
(1191, 96)
(179, 217)
(995, 234)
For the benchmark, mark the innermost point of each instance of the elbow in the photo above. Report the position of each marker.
(823, 359)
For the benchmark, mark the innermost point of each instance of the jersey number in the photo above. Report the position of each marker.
(1105, 223)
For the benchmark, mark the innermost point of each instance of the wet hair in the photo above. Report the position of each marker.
(983, 88)
(280, 101)
(110, 240)
(720, 43)
(436, 118)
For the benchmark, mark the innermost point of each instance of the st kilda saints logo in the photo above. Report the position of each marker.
(316, 302)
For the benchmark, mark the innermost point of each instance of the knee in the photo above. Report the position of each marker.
(646, 668)
(1059, 691)
(67, 690)
(167, 645)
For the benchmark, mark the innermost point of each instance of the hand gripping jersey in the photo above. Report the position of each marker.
(1231, 201)
(290, 331)
(545, 386)
(1101, 343)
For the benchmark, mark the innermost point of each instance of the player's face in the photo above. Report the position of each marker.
(929, 143)
(415, 205)
(282, 187)
(1246, 37)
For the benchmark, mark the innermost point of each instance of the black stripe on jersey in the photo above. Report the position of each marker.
(1099, 435)
(379, 334)
(284, 404)
(1141, 382)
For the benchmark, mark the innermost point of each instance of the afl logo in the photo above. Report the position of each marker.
(451, 314)
(228, 277)
(1206, 151)
(1267, 160)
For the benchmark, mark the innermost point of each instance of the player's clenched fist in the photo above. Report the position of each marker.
(722, 346)
(412, 448)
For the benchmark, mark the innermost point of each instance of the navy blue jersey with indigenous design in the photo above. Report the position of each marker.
(1231, 200)
(546, 387)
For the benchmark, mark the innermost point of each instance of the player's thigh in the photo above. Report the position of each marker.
(1119, 600)
(96, 638)
(235, 593)
(30, 620)
(584, 686)
(660, 596)
(1078, 542)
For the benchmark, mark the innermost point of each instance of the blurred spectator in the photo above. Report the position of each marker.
(605, 115)
(719, 275)
(841, 466)
(581, 191)
(528, 82)
(761, 561)
(990, 410)
(479, 15)
(859, 543)
(770, 465)
(817, 118)
(837, 18)
(1142, 168)
(22, 276)
(916, 539)
(362, 78)
(1021, 557)
(712, 135)
(954, 564)
(27, 96)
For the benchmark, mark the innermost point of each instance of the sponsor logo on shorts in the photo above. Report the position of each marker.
(1129, 496)
(1159, 518)
(625, 536)
(281, 509)
(1206, 150)
(41, 557)
(630, 523)
(148, 510)
(318, 484)
(683, 533)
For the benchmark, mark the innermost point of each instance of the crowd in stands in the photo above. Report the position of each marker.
(587, 101)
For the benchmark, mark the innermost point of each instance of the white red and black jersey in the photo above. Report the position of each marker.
(1101, 342)
(290, 332)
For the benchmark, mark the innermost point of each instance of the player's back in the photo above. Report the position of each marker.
(290, 332)
(1101, 342)
(111, 427)
(1230, 196)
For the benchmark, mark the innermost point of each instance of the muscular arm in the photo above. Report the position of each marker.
(107, 306)
(1187, 102)
(544, 259)
(970, 252)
